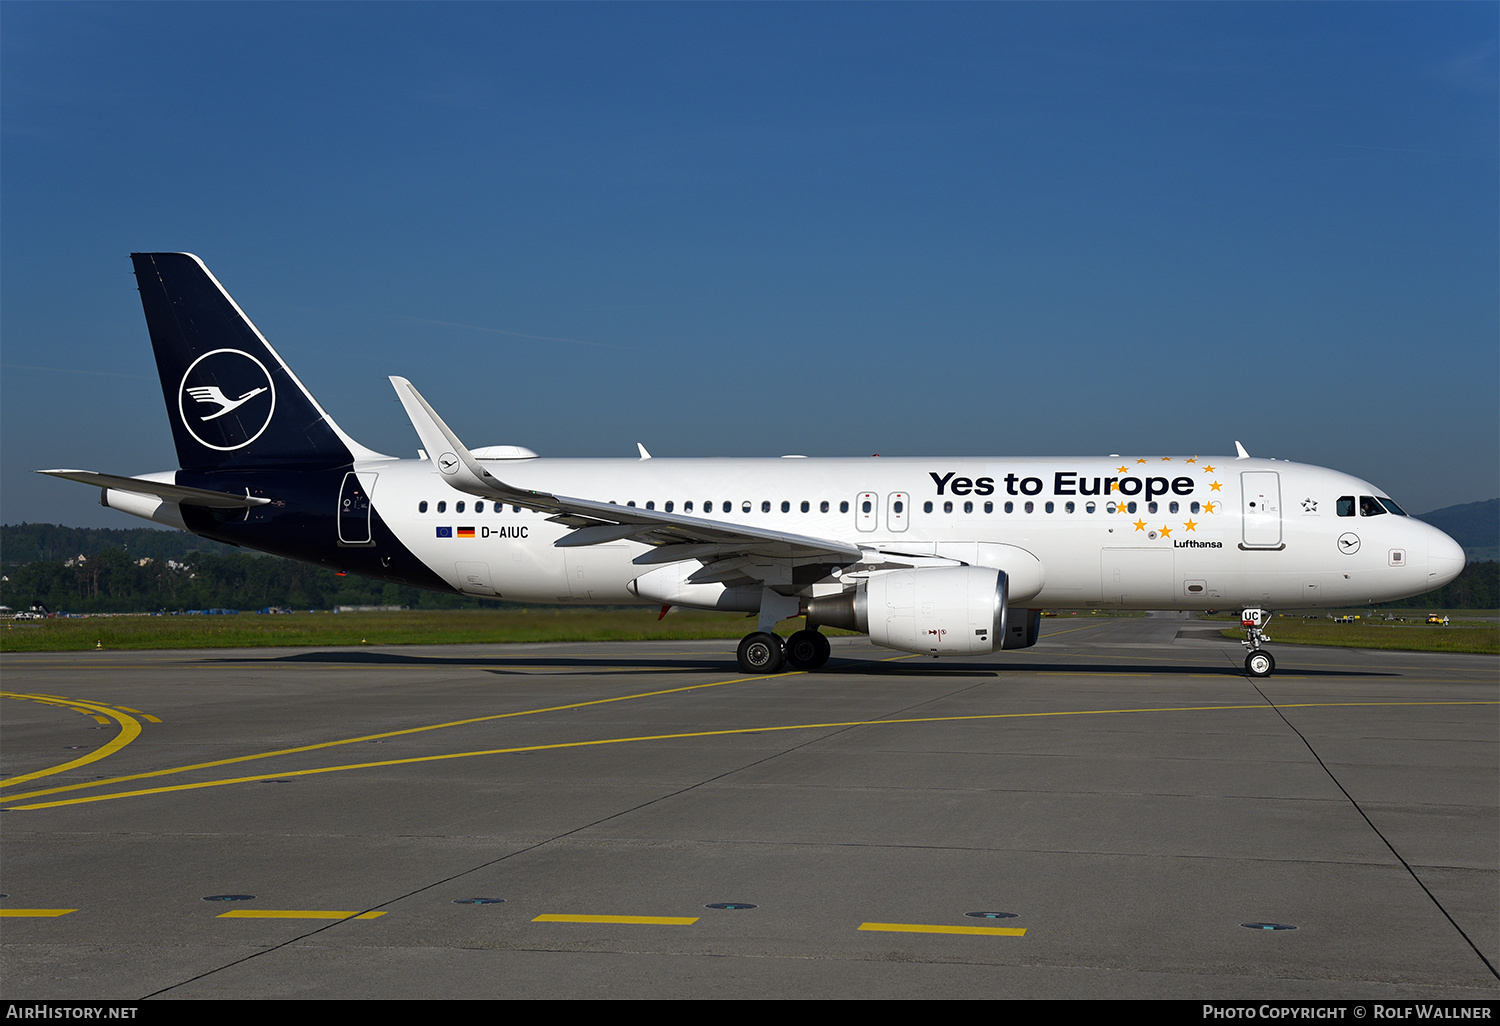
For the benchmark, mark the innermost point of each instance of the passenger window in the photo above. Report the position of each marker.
(1010, 507)
(765, 506)
(823, 506)
(687, 507)
(805, 506)
(968, 507)
(1069, 507)
(900, 507)
(1031, 507)
(630, 503)
(786, 507)
(668, 507)
(864, 507)
(422, 506)
(1172, 507)
(844, 506)
(1110, 507)
(947, 507)
(1346, 506)
(1089, 508)
(458, 507)
(1196, 508)
(1150, 507)
(744, 507)
(728, 506)
(1048, 507)
(442, 507)
(1130, 506)
(1368, 507)
(989, 507)
(927, 507)
(478, 507)
(650, 503)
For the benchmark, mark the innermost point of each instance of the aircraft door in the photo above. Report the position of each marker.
(1260, 509)
(354, 510)
(900, 506)
(865, 513)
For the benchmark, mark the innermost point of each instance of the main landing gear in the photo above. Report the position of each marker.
(764, 652)
(1259, 662)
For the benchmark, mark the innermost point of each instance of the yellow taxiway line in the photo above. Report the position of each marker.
(628, 920)
(271, 913)
(980, 717)
(130, 729)
(34, 913)
(327, 744)
(979, 931)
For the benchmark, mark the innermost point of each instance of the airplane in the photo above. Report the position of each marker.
(939, 556)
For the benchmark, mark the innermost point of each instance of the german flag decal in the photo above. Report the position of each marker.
(466, 532)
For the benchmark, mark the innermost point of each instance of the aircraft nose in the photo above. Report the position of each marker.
(1445, 559)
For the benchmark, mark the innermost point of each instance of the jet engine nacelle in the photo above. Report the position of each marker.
(949, 610)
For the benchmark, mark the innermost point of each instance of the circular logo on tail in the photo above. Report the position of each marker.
(226, 399)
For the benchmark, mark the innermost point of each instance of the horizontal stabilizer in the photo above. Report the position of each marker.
(179, 494)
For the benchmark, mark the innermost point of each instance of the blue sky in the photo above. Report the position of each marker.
(725, 229)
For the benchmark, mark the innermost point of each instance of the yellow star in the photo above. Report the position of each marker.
(1207, 469)
(1166, 532)
(1140, 461)
(1191, 525)
(1208, 507)
(1166, 459)
(1193, 460)
(1115, 487)
(1140, 525)
(1213, 486)
(1123, 470)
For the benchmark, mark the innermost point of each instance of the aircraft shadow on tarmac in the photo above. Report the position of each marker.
(905, 668)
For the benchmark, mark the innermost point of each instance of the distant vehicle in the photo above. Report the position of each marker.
(1439, 620)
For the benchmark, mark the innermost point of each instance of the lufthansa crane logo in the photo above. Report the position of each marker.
(226, 399)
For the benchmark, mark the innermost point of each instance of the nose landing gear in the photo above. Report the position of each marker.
(1259, 662)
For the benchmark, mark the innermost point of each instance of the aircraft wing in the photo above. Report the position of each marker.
(678, 537)
(179, 494)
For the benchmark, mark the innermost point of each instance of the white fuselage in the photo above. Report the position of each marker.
(1214, 531)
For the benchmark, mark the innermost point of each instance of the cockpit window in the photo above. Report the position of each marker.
(1369, 507)
(1346, 505)
(1388, 504)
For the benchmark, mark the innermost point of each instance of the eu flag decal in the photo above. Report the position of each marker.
(445, 532)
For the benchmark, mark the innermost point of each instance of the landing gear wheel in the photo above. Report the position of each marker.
(1260, 664)
(807, 650)
(761, 653)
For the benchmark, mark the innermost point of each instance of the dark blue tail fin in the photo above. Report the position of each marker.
(232, 401)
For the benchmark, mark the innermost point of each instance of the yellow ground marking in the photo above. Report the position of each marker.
(271, 913)
(34, 913)
(628, 920)
(137, 712)
(347, 741)
(1070, 630)
(130, 729)
(1262, 707)
(982, 931)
